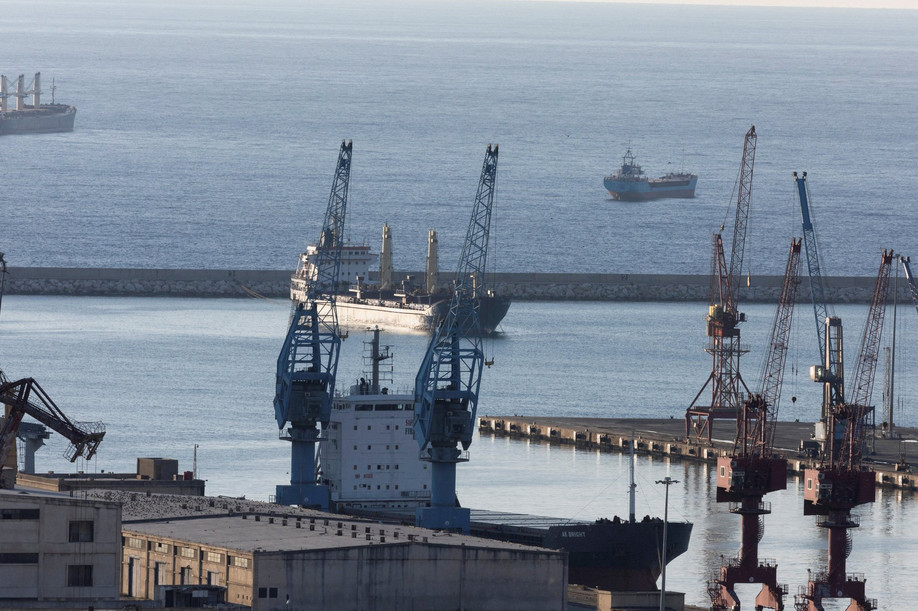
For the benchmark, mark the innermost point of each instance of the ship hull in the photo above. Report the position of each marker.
(47, 119)
(354, 313)
(613, 555)
(642, 191)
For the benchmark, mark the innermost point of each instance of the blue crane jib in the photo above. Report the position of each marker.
(449, 379)
(308, 361)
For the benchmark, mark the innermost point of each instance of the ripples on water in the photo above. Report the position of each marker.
(206, 132)
(166, 374)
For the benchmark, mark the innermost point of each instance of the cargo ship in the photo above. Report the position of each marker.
(632, 185)
(369, 460)
(408, 304)
(34, 118)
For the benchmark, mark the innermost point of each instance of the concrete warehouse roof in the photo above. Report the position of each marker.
(253, 526)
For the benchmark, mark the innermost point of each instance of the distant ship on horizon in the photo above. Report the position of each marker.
(632, 185)
(34, 118)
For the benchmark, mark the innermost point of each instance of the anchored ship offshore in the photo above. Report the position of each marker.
(34, 118)
(406, 305)
(631, 184)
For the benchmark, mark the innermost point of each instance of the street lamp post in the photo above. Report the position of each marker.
(667, 481)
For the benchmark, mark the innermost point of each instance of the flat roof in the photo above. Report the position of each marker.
(254, 526)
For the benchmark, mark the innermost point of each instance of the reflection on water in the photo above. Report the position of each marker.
(166, 374)
(531, 477)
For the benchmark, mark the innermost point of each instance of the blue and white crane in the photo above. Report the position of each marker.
(308, 361)
(446, 387)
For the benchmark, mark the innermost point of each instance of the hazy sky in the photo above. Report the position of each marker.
(901, 4)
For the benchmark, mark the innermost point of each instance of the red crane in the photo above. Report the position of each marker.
(723, 318)
(752, 470)
(26, 397)
(839, 484)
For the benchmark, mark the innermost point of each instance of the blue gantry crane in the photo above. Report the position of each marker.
(912, 286)
(308, 361)
(446, 387)
(830, 371)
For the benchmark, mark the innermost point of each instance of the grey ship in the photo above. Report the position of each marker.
(34, 118)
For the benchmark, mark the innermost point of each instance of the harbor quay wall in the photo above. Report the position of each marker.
(518, 286)
(666, 437)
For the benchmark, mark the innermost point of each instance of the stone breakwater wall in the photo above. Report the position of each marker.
(519, 286)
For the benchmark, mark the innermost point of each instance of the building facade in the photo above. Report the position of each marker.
(58, 547)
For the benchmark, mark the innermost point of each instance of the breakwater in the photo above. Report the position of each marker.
(519, 286)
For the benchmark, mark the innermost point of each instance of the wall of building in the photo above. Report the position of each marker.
(366, 576)
(520, 286)
(410, 576)
(36, 551)
(150, 561)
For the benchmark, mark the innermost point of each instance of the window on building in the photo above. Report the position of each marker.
(262, 592)
(187, 552)
(213, 578)
(18, 514)
(81, 531)
(157, 573)
(18, 558)
(215, 557)
(272, 592)
(79, 575)
(185, 576)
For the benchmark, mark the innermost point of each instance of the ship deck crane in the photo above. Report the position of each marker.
(26, 398)
(448, 381)
(912, 285)
(839, 484)
(308, 361)
(726, 383)
(753, 470)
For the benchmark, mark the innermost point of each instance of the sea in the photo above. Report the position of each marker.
(206, 136)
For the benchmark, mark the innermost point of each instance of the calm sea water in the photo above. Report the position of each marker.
(206, 137)
(166, 374)
(207, 131)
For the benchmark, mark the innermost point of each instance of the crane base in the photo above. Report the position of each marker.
(454, 519)
(309, 496)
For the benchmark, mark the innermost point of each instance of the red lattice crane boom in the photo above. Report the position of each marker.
(752, 470)
(833, 489)
(723, 318)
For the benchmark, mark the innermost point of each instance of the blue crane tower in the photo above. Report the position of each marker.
(308, 361)
(912, 286)
(447, 384)
(830, 372)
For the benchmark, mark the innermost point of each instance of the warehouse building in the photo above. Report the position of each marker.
(270, 557)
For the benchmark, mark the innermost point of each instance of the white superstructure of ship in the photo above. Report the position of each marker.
(409, 304)
(369, 458)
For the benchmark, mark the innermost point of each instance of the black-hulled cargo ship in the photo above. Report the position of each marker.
(35, 118)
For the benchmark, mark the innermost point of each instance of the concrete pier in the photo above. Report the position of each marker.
(666, 437)
(518, 286)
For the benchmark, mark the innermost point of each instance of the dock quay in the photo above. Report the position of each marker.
(666, 437)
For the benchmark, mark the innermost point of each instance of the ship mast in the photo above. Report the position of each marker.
(433, 273)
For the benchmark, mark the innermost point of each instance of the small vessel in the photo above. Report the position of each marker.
(632, 185)
(369, 460)
(34, 118)
(408, 304)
